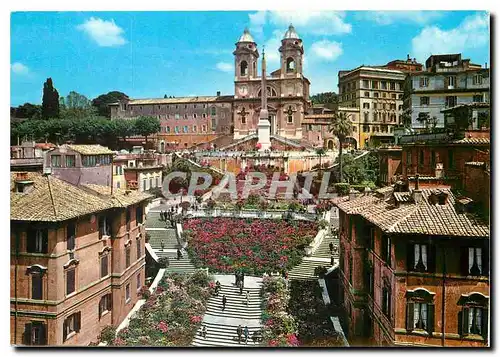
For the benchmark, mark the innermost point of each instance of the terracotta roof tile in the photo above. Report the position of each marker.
(410, 218)
(90, 149)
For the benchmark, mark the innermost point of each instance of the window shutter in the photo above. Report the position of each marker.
(430, 318)
(410, 263)
(484, 323)
(45, 241)
(485, 261)
(465, 321)
(43, 334)
(431, 258)
(421, 81)
(110, 302)
(100, 308)
(409, 316)
(27, 334)
(464, 261)
(30, 240)
(460, 323)
(78, 316)
(65, 330)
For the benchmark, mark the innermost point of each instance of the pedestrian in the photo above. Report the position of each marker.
(241, 289)
(236, 278)
(179, 254)
(162, 245)
(245, 332)
(247, 297)
(331, 247)
(224, 300)
(242, 278)
(217, 288)
(239, 331)
(204, 331)
(161, 215)
(331, 260)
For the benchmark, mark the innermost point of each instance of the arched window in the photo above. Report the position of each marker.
(420, 310)
(162, 146)
(289, 115)
(271, 92)
(290, 65)
(330, 144)
(243, 68)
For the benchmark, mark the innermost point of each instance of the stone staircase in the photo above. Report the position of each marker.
(321, 257)
(182, 265)
(222, 324)
(168, 236)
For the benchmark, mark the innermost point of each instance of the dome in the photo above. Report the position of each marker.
(246, 37)
(291, 33)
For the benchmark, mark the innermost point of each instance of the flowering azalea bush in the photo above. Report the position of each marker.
(172, 314)
(279, 327)
(254, 246)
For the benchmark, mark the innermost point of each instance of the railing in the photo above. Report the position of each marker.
(279, 214)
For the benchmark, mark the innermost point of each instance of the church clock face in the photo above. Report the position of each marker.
(243, 90)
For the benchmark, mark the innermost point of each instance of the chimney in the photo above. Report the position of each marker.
(417, 193)
(218, 93)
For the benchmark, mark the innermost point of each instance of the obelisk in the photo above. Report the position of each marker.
(264, 127)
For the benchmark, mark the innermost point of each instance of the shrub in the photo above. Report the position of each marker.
(163, 262)
(144, 292)
(360, 188)
(323, 224)
(342, 189)
(320, 271)
(107, 334)
(293, 206)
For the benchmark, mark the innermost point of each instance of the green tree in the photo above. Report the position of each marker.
(320, 152)
(102, 101)
(341, 128)
(146, 126)
(50, 100)
(76, 105)
(28, 111)
(329, 99)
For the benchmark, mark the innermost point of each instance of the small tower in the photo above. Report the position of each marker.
(263, 127)
(245, 57)
(291, 51)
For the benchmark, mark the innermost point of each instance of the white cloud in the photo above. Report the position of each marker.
(471, 33)
(257, 21)
(390, 17)
(19, 68)
(271, 46)
(105, 33)
(314, 22)
(327, 50)
(225, 66)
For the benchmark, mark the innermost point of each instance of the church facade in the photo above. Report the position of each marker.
(287, 88)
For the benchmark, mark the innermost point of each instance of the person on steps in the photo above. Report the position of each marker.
(331, 260)
(162, 245)
(224, 300)
(239, 331)
(204, 332)
(247, 298)
(245, 332)
(217, 288)
(179, 254)
(331, 247)
(241, 289)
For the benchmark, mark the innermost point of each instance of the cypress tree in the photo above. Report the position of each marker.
(50, 100)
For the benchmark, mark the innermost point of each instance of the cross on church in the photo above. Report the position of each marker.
(243, 113)
(289, 110)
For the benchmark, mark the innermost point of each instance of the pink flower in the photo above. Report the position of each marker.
(273, 343)
(195, 319)
(162, 326)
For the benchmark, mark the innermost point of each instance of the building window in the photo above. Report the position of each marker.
(421, 257)
(243, 68)
(386, 249)
(118, 184)
(419, 310)
(424, 81)
(365, 83)
(477, 98)
(177, 115)
(204, 128)
(127, 256)
(176, 129)
(185, 129)
(104, 266)
(393, 86)
(139, 253)
(35, 333)
(374, 85)
(383, 85)
(70, 160)
(185, 116)
(375, 95)
(70, 236)
(105, 304)
(366, 105)
(138, 282)
(451, 101)
(71, 325)
(55, 160)
(194, 116)
(386, 301)
(213, 111)
(367, 94)
(104, 227)
(366, 128)
(473, 318)
(127, 293)
(477, 79)
(393, 96)
(450, 81)
(475, 261)
(168, 129)
(70, 280)
(37, 285)
(354, 129)
(204, 115)
(139, 214)
(37, 241)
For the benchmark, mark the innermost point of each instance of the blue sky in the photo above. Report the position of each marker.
(149, 54)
